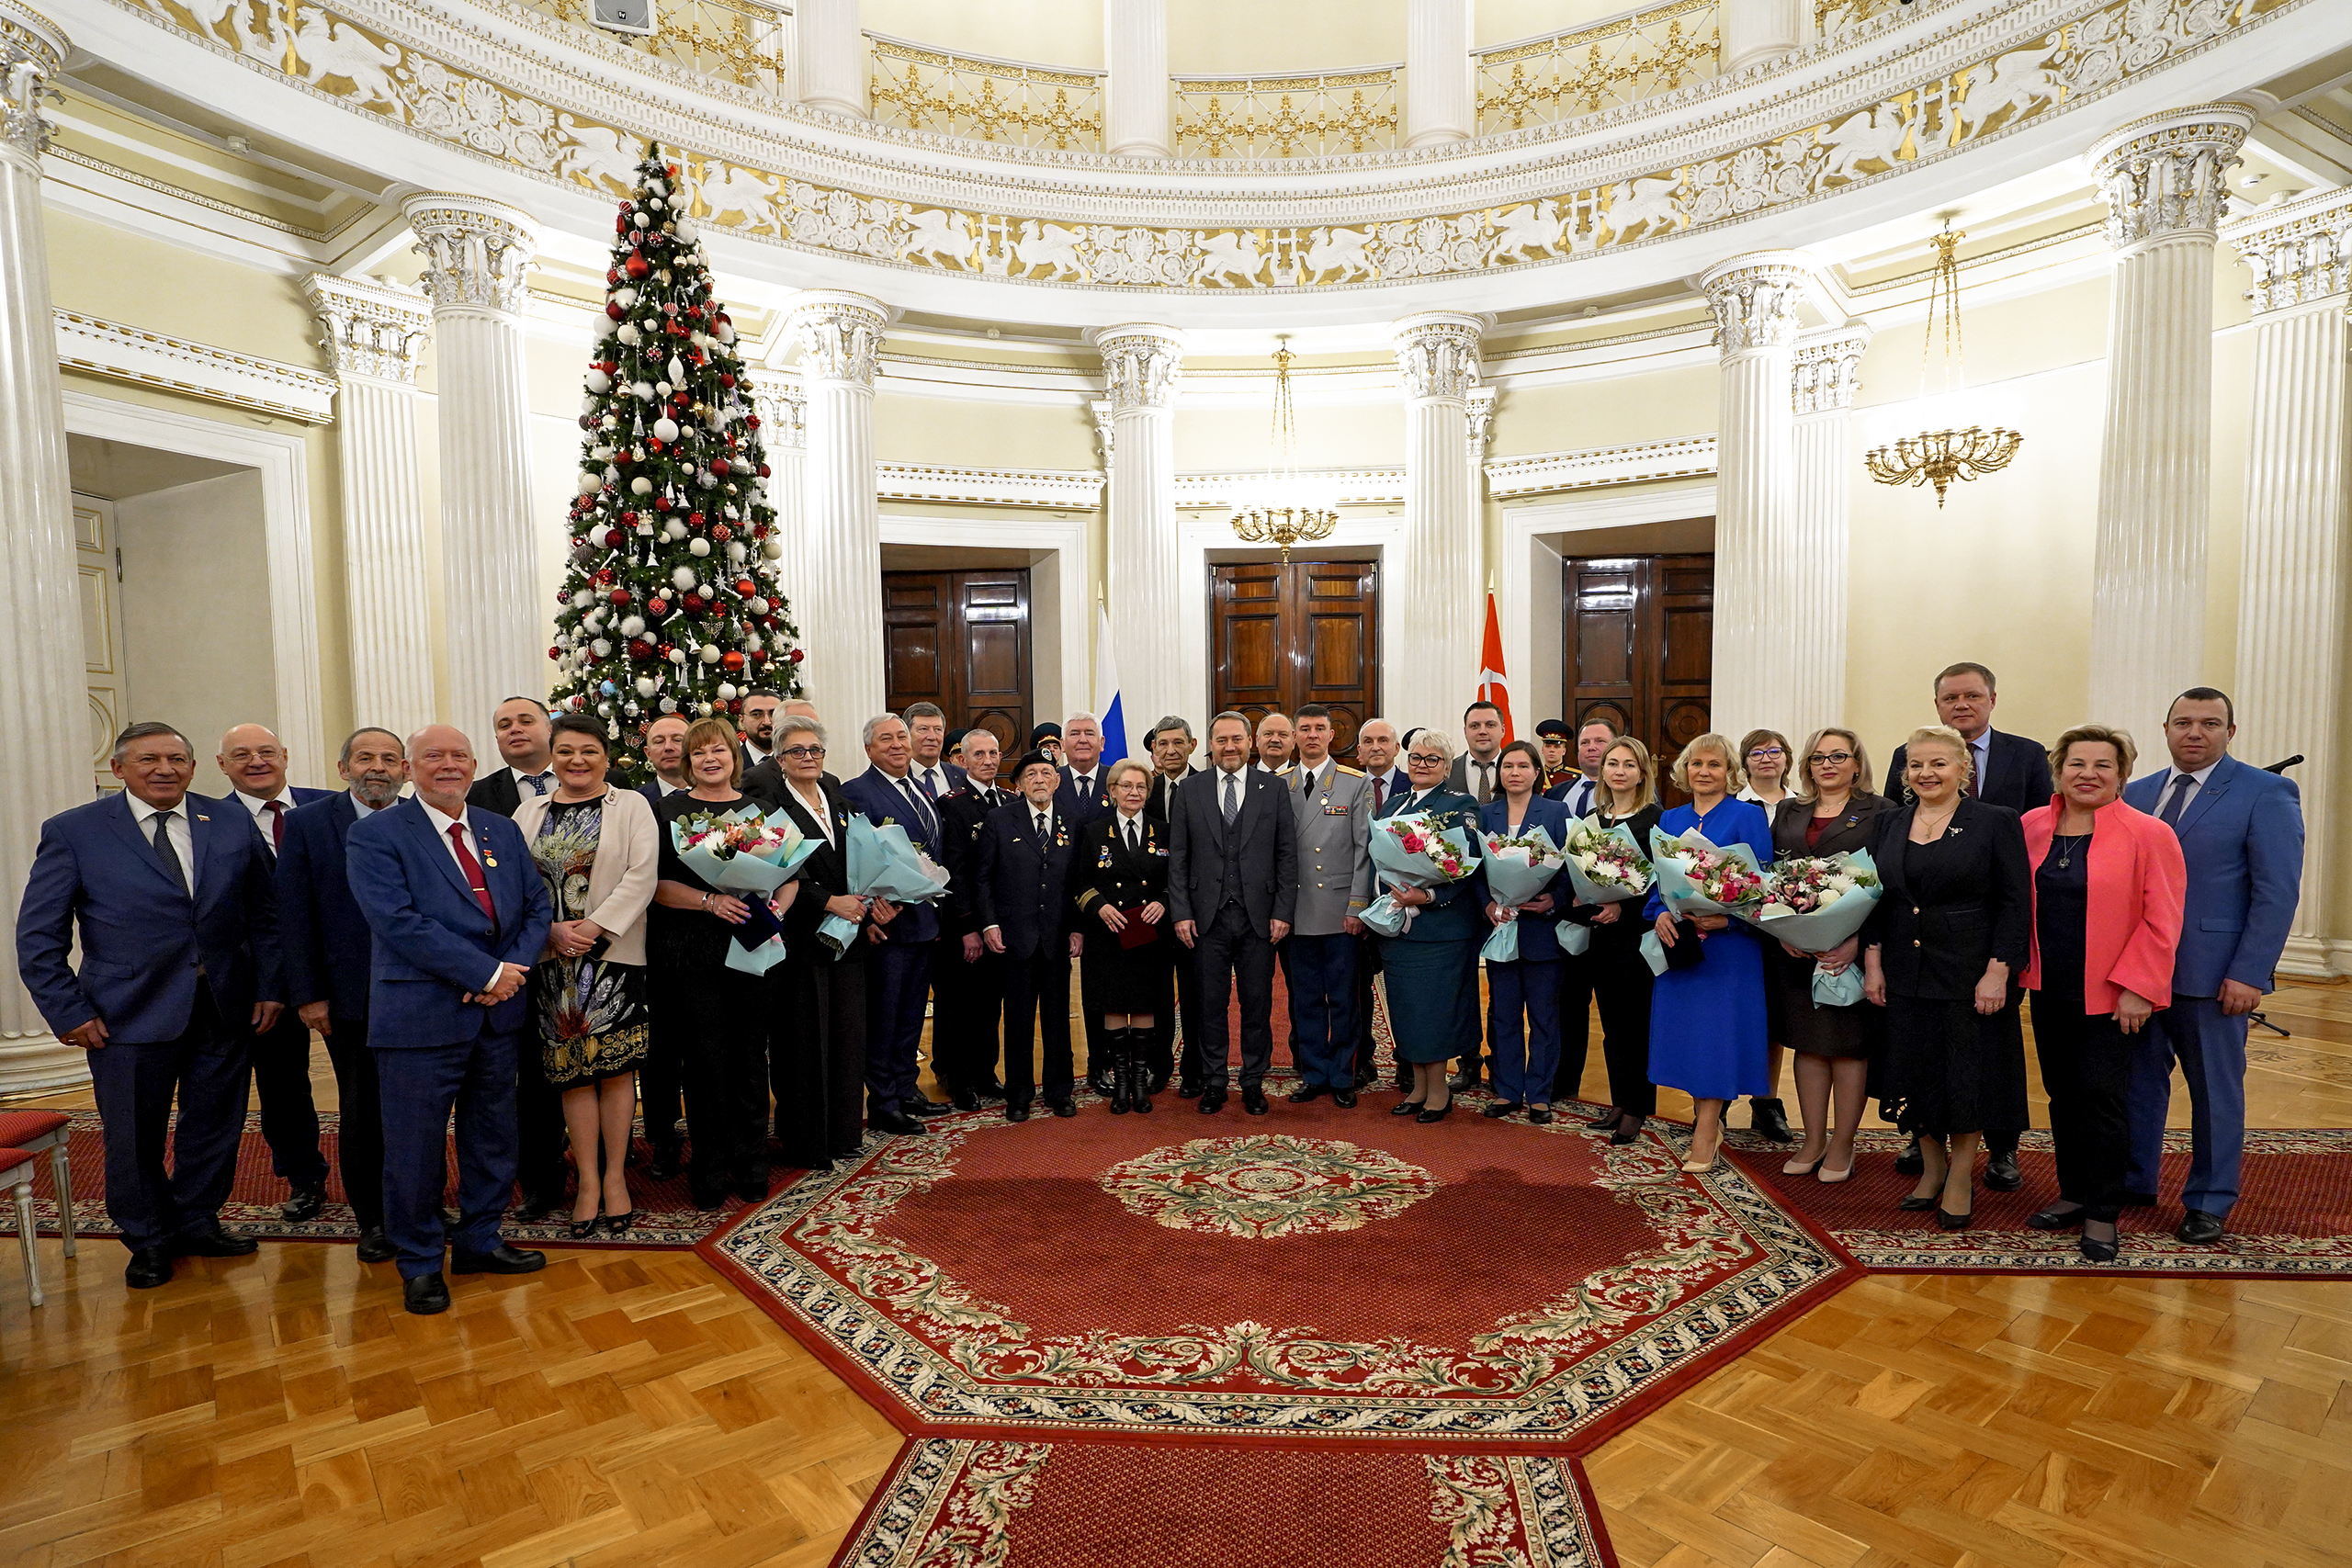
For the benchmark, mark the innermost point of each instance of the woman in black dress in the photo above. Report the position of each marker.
(1627, 798)
(1943, 954)
(1120, 878)
(1833, 813)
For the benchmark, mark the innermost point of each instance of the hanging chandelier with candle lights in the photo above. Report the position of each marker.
(1940, 456)
(1284, 508)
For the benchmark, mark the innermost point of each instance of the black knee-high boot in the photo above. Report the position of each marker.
(1139, 1071)
(1120, 1045)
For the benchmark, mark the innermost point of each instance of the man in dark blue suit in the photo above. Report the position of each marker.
(460, 916)
(1021, 897)
(2241, 834)
(328, 952)
(254, 761)
(173, 898)
(927, 738)
(898, 977)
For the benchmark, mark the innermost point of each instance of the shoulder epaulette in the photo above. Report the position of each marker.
(1285, 771)
(1351, 773)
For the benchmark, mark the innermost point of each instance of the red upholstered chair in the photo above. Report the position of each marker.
(34, 1132)
(16, 1169)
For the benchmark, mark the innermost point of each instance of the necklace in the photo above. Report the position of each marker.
(1941, 823)
(2067, 844)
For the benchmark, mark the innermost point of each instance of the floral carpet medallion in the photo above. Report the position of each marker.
(1459, 1284)
(1267, 1186)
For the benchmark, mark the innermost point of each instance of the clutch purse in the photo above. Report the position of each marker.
(1134, 934)
(1688, 952)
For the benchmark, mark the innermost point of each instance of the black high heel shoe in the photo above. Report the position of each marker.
(582, 1229)
(1915, 1205)
(1952, 1222)
(1406, 1108)
(1628, 1129)
(1439, 1114)
(1606, 1119)
(617, 1225)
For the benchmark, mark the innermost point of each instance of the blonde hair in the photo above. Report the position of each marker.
(1800, 783)
(1945, 735)
(1435, 740)
(1643, 759)
(2125, 751)
(702, 732)
(1736, 777)
(1111, 779)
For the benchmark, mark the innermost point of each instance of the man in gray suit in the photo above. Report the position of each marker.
(1332, 805)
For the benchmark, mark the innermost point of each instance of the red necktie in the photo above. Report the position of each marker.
(1379, 788)
(276, 809)
(473, 871)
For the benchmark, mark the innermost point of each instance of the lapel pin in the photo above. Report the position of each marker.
(202, 818)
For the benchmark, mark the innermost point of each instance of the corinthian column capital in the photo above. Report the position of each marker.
(840, 333)
(1437, 354)
(1755, 299)
(1141, 364)
(2163, 177)
(1828, 371)
(477, 251)
(32, 48)
(371, 330)
(2299, 250)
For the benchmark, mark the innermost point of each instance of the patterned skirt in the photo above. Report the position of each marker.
(591, 1019)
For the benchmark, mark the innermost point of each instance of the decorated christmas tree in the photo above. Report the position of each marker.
(670, 603)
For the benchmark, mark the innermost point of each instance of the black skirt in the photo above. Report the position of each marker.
(1130, 979)
(1804, 1024)
(1952, 1069)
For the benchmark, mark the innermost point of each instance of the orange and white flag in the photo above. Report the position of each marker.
(1493, 687)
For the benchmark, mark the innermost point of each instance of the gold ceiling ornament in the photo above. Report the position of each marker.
(1284, 509)
(1940, 456)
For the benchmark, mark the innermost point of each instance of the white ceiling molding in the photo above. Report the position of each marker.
(1044, 489)
(1549, 472)
(1349, 487)
(150, 359)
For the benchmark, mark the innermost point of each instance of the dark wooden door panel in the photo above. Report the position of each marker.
(1283, 635)
(961, 639)
(1639, 649)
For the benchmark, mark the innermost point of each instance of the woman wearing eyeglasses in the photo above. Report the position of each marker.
(1832, 813)
(1433, 965)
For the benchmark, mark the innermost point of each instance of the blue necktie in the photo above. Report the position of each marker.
(2181, 784)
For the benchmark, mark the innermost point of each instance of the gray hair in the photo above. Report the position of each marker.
(923, 710)
(141, 731)
(1375, 718)
(1435, 740)
(798, 724)
(1167, 722)
(1119, 768)
(353, 739)
(1094, 719)
(873, 727)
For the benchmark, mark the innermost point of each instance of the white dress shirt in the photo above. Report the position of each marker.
(1581, 790)
(1486, 791)
(669, 789)
(260, 810)
(2196, 788)
(935, 775)
(1130, 831)
(441, 826)
(177, 833)
(1084, 783)
(820, 809)
(361, 810)
(524, 787)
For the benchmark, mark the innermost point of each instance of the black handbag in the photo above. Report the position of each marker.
(1688, 952)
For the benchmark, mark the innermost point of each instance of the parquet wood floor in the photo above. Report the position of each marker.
(282, 1412)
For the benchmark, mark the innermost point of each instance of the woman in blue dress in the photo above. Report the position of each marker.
(1707, 1028)
(1433, 965)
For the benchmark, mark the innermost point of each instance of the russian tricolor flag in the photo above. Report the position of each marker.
(1107, 706)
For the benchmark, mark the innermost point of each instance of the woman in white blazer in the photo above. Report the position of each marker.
(598, 850)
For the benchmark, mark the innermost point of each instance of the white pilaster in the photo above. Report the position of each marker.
(1755, 300)
(2292, 584)
(374, 334)
(1761, 29)
(1135, 122)
(476, 258)
(830, 56)
(840, 336)
(1441, 98)
(783, 410)
(1436, 584)
(1826, 372)
(1141, 367)
(2163, 178)
(39, 583)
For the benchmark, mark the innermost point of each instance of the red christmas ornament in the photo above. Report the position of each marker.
(612, 539)
(555, 653)
(693, 521)
(653, 443)
(745, 588)
(718, 466)
(794, 655)
(657, 607)
(637, 266)
(725, 379)
(604, 577)
(665, 650)
(722, 533)
(641, 650)
(613, 310)
(629, 519)
(764, 470)
(612, 275)
(620, 596)
(731, 661)
(751, 421)
(735, 704)
(694, 603)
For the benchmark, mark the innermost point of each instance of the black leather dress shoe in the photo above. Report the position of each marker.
(1910, 1162)
(304, 1204)
(1253, 1100)
(1628, 1129)
(1212, 1101)
(2001, 1173)
(1186, 1090)
(425, 1294)
(503, 1260)
(2199, 1229)
(1462, 1083)
(1439, 1114)
(149, 1267)
(1016, 1110)
(923, 1106)
(1769, 1120)
(1406, 1108)
(214, 1243)
(1500, 1109)
(1539, 1114)
(964, 1099)
(1062, 1107)
(895, 1122)
(375, 1247)
(1306, 1092)
(988, 1089)
(1345, 1099)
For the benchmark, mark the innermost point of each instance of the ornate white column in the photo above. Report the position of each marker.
(1827, 373)
(783, 427)
(40, 616)
(1141, 367)
(830, 56)
(1135, 117)
(841, 612)
(2163, 178)
(2295, 558)
(1440, 99)
(374, 334)
(1437, 585)
(477, 256)
(1759, 29)
(1755, 300)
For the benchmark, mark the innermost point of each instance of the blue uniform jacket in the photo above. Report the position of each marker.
(1539, 937)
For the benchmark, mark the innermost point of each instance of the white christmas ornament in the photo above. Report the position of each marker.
(632, 626)
(684, 577)
(727, 691)
(677, 656)
(582, 599)
(736, 552)
(688, 233)
(669, 705)
(643, 391)
(675, 530)
(590, 483)
(699, 547)
(599, 382)
(677, 369)
(665, 429)
(710, 653)
(642, 221)
(640, 486)
(758, 605)
(628, 335)
(645, 686)
(601, 649)
(772, 548)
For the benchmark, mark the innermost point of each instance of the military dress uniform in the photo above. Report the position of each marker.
(1332, 805)
(1124, 862)
(965, 1026)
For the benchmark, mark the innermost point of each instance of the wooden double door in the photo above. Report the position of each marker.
(1285, 634)
(961, 639)
(1640, 648)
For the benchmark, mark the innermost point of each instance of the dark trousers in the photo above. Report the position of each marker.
(421, 1087)
(1232, 956)
(1367, 971)
(289, 1117)
(1524, 1025)
(816, 1061)
(1575, 1023)
(2086, 1071)
(1036, 998)
(538, 1127)
(968, 1021)
(1620, 985)
(359, 1141)
(897, 983)
(726, 1080)
(1184, 977)
(207, 1067)
(1323, 1007)
(660, 1077)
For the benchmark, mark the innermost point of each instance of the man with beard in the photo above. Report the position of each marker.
(760, 707)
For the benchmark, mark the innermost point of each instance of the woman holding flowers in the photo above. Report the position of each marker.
(725, 1011)
(1433, 963)
(1707, 1033)
(1621, 980)
(1833, 813)
(1523, 994)
(595, 848)
(1942, 954)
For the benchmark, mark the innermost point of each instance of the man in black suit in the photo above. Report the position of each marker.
(1022, 900)
(2006, 770)
(966, 978)
(1081, 799)
(665, 753)
(327, 948)
(660, 1077)
(526, 755)
(1232, 883)
(1171, 744)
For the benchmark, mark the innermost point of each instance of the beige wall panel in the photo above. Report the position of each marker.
(1208, 36)
(95, 269)
(1226, 439)
(981, 436)
(1507, 22)
(1666, 405)
(1068, 34)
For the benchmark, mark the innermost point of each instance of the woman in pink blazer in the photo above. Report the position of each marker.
(2107, 882)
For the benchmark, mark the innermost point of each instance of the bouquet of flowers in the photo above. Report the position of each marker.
(882, 862)
(1814, 903)
(1697, 878)
(1605, 865)
(1414, 848)
(746, 854)
(1517, 869)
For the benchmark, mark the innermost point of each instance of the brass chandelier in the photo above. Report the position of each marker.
(1284, 509)
(1940, 456)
